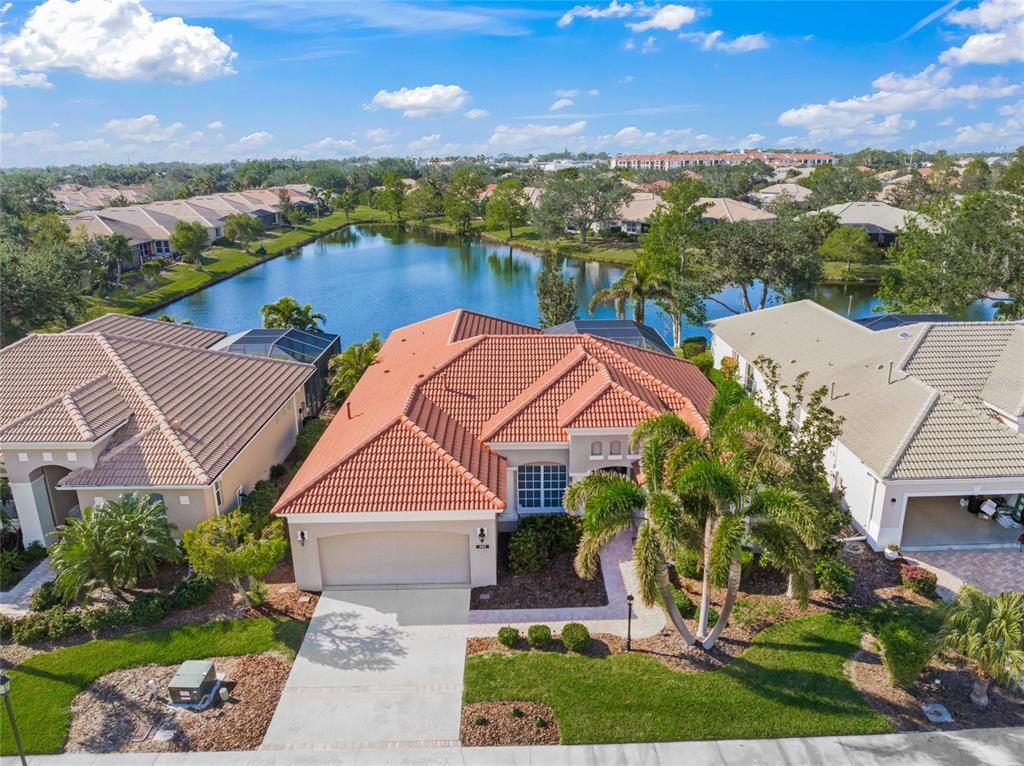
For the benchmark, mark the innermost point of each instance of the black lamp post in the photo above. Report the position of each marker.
(629, 622)
(5, 687)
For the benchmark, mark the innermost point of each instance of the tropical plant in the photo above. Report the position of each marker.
(507, 207)
(849, 244)
(390, 197)
(242, 228)
(116, 253)
(556, 294)
(151, 269)
(188, 240)
(346, 368)
(287, 312)
(460, 200)
(637, 286)
(583, 200)
(988, 631)
(345, 201)
(113, 546)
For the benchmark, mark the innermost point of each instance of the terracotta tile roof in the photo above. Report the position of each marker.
(460, 394)
(147, 329)
(181, 413)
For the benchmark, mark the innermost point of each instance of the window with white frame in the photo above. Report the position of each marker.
(542, 485)
(596, 449)
(216, 494)
(615, 449)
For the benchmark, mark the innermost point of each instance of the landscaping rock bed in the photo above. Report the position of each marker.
(946, 680)
(555, 586)
(490, 724)
(116, 709)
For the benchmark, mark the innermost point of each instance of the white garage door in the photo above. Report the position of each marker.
(394, 558)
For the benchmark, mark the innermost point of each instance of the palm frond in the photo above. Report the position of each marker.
(666, 518)
(685, 453)
(729, 395)
(667, 426)
(611, 505)
(588, 552)
(649, 560)
(790, 508)
(652, 462)
(709, 478)
(726, 545)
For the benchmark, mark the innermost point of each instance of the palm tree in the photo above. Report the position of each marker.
(287, 312)
(610, 502)
(682, 298)
(116, 251)
(348, 367)
(728, 479)
(635, 285)
(989, 632)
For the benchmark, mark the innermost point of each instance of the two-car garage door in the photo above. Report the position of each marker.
(394, 558)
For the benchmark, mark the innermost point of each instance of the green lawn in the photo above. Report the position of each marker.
(44, 686)
(218, 262)
(789, 683)
(836, 271)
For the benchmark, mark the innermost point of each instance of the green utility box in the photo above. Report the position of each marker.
(192, 682)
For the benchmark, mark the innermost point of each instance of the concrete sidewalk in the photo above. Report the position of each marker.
(978, 747)
(16, 601)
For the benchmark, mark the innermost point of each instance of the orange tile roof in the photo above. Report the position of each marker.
(181, 413)
(419, 431)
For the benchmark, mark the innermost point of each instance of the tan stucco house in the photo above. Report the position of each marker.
(465, 424)
(129, 405)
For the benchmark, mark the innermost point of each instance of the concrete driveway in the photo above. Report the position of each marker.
(377, 668)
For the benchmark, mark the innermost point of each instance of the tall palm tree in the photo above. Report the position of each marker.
(636, 286)
(610, 502)
(989, 632)
(287, 312)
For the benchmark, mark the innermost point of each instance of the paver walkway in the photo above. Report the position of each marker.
(15, 602)
(979, 747)
(619, 581)
(994, 570)
(376, 669)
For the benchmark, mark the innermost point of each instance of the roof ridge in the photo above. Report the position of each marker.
(198, 349)
(75, 413)
(153, 407)
(490, 495)
(912, 431)
(663, 386)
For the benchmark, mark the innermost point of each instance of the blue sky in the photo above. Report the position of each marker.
(206, 80)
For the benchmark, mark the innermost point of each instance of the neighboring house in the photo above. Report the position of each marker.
(463, 425)
(634, 215)
(532, 193)
(73, 197)
(933, 413)
(676, 160)
(123, 405)
(621, 330)
(794, 193)
(315, 348)
(888, 321)
(882, 222)
(726, 209)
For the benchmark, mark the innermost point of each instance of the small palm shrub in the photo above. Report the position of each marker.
(919, 580)
(45, 597)
(834, 577)
(33, 627)
(508, 637)
(538, 636)
(576, 637)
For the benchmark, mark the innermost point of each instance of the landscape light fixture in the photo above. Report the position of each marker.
(629, 622)
(5, 688)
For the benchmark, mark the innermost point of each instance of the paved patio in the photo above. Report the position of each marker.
(619, 581)
(994, 570)
(16, 601)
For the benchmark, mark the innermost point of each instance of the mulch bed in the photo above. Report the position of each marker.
(489, 724)
(946, 680)
(282, 595)
(107, 714)
(554, 587)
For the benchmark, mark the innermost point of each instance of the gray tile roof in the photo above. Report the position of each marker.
(924, 420)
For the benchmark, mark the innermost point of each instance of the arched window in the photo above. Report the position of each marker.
(615, 449)
(596, 449)
(156, 497)
(541, 485)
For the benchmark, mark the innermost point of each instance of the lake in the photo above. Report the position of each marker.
(367, 278)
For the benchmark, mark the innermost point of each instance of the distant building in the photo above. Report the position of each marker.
(727, 209)
(797, 194)
(677, 161)
(882, 222)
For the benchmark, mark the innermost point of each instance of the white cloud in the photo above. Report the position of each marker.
(788, 141)
(669, 17)
(1012, 110)
(753, 139)
(627, 79)
(561, 103)
(325, 147)
(894, 94)
(380, 135)
(945, 122)
(144, 130)
(11, 78)
(716, 41)
(1002, 38)
(649, 45)
(83, 146)
(567, 92)
(424, 101)
(629, 45)
(3, 102)
(116, 40)
(476, 114)
(215, 125)
(425, 142)
(635, 138)
(251, 142)
(614, 10)
(510, 137)
(42, 137)
(1010, 130)
(593, 92)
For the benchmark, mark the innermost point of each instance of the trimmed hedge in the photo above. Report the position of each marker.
(576, 637)
(539, 538)
(906, 649)
(538, 636)
(527, 551)
(192, 590)
(508, 636)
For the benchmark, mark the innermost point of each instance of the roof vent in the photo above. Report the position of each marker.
(904, 335)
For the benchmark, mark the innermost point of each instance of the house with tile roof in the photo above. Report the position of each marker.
(933, 414)
(882, 222)
(123, 405)
(465, 424)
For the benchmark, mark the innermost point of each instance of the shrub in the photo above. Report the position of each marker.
(754, 614)
(278, 470)
(508, 636)
(560, 531)
(6, 627)
(694, 346)
(148, 608)
(834, 577)
(576, 637)
(261, 250)
(310, 434)
(45, 597)
(479, 720)
(105, 617)
(516, 712)
(258, 502)
(906, 649)
(919, 580)
(192, 590)
(62, 623)
(30, 628)
(527, 551)
(539, 722)
(538, 636)
(704, 361)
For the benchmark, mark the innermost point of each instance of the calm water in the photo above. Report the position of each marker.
(378, 278)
